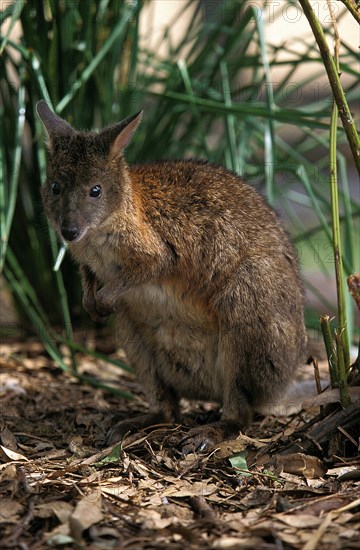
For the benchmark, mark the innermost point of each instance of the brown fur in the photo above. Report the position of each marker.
(199, 270)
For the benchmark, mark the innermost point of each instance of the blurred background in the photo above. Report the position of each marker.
(238, 83)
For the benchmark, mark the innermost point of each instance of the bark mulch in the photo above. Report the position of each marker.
(293, 481)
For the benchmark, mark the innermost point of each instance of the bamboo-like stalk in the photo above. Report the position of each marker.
(8, 210)
(287, 116)
(334, 80)
(330, 350)
(352, 8)
(269, 131)
(229, 119)
(343, 387)
(16, 11)
(340, 283)
(118, 31)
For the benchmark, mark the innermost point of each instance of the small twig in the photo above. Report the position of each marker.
(315, 537)
(348, 436)
(313, 541)
(317, 379)
(314, 442)
(347, 507)
(317, 374)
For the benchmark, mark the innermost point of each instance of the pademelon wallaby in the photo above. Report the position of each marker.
(196, 266)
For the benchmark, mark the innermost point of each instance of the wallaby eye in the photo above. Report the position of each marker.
(56, 188)
(95, 191)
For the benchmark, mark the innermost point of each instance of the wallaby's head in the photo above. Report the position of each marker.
(86, 173)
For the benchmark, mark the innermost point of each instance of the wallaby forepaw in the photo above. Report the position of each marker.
(95, 316)
(91, 309)
(205, 438)
(104, 306)
(200, 440)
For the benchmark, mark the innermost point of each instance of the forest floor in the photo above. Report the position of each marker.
(60, 488)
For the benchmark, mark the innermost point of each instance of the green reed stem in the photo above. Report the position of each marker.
(334, 80)
(335, 218)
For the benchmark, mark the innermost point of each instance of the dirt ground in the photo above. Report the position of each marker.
(61, 488)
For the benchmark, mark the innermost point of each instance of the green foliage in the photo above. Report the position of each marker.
(238, 461)
(212, 97)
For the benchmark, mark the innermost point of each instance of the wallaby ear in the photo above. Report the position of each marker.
(122, 133)
(53, 124)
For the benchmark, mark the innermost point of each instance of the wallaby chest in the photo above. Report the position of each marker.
(101, 256)
(165, 317)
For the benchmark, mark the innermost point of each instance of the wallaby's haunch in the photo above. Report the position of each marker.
(197, 267)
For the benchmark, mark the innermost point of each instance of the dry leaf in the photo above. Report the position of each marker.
(59, 508)
(300, 464)
(186, 489)
(123, 493)
(87, 512)
(151, 519)
(8, 455)
(8, 439)
(237, 543)
(8, 472)
(233, 446)
(299, 520)
(78, 448)
(147, 491)
(10, 510)
(338, 472)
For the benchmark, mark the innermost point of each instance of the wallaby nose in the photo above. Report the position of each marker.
(69, 232)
